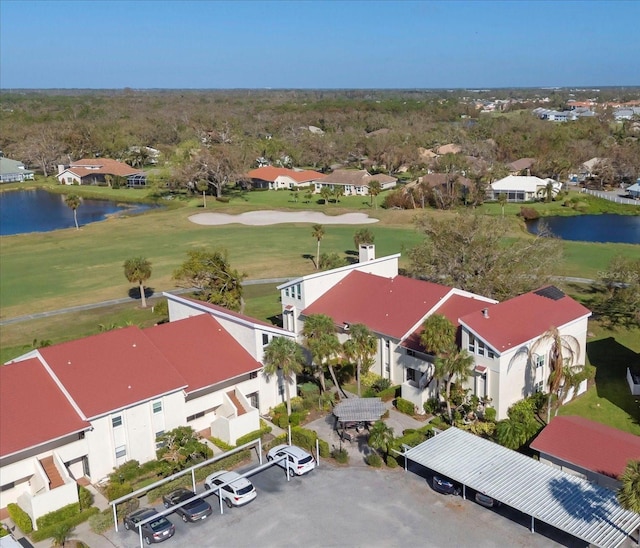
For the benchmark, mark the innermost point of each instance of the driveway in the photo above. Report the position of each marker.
(353, 506)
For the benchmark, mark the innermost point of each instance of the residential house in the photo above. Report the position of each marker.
(521, 188)
(13, 171)
(81, 408)
(506, 339)
(355, 182)
(96, 171)
(564, 115)
(276, 178)
(521, 166)
(634, 190)
(587, 449)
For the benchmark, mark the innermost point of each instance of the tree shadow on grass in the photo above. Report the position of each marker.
(611, 359)
(134, 292)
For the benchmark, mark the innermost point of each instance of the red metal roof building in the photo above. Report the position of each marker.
(593, 450)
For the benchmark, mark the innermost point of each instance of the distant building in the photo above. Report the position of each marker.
(354, 181)
(13, 171)
(277, 178)
(521, 188)
(95, 171)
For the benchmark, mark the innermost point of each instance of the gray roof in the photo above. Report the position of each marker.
(359, 410)
(12, 166)
(571, 504)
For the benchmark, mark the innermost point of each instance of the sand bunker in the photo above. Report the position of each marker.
(258, 218)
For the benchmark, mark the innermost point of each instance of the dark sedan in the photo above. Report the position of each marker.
(195, 510)
(156, 530)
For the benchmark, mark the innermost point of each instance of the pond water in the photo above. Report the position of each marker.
(23, 211)
(593, 228)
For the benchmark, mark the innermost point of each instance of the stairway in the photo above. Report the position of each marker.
(55, 479)
(240, 408)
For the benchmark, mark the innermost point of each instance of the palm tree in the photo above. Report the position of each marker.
(455, 365)
(564, 375)
(381, 437)
(502, 200)
(320, 337)
(138, 270)
(61, 534)
(511, 434)
(317, 231)
(73, 201)
(325, 194)
(629, 492)
(361, 347)
(374, 189)
(284, 355)
(438, 338)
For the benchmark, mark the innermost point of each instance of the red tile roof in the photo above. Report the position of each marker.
(106, 166)
(112, 370)
(390, 306)
(588, 444)
(454, 308)
(271, 173)
(521, 319)
(33, 410)
(201, 351)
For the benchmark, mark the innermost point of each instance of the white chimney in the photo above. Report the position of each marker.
(367, 252)
(485, 312)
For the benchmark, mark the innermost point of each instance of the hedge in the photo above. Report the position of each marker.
(48, 532)
(102, 521)
(490, 414)
(373, 459)
(20, 518)
(251, 436)
(306, 439)
(405, 406)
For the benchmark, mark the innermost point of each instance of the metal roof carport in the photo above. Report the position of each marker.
(582, 509)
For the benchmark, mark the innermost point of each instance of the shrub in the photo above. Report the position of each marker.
(439, 422)
(373, 459)
(297, 405)
(309, 389)
(101, 522)
(283, 421)
(381, 384)
(251, 436)
(222, 444)
(129, 471)
(431, 406)
(85, 497)
(223, 199)
(392, 462)
(529, 214)
(490, 414)
(340, 455)
(20, 518)
(115, 490)
(388, 393)
(405, 406)
(55, 521)
(3, 530)
(295, 418)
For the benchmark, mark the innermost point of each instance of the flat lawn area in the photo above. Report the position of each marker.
(610, 401)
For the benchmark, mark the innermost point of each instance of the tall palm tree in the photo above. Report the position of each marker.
(61, 534)
(317, 231)
(374, 189)
(456, 365)
(438, 338)
(381, 437)
(73, 201)
(564, 374)
(284, 355)
(361, 347)
(138, 270)
(629, 492)
(502, 200)
(320, 337)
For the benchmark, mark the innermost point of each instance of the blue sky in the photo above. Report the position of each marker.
(321, 44)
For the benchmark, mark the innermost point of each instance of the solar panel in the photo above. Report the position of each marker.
(551, 292)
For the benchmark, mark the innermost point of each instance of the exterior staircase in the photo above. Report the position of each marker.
(55, 479)
(236, 402)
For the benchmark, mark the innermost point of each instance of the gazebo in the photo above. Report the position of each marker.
(359, 410)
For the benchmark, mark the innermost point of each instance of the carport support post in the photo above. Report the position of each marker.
(289, 429)
(260, 451)
(464, 492)
(193, 479)
(115, 517)
(318, 452)
(140, 531)
(220, 499)
(533, 530)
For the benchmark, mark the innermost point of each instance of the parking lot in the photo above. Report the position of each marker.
(353, 506)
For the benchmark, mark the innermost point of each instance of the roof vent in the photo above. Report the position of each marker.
(346, 326)
(485, 312)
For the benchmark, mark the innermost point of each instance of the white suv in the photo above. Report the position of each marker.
(298, 461)
(239, 490)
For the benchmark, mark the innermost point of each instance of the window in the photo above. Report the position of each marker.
(196, 416)
(480, 348)
(538, 387)
(160, 433)
(160, 443)
(116, 421)
(253, 375)
(286, 292)
(121, 451)
(472, 344)
(539, 360)
(265, 339)
(412, 374)
(157, 407)
(411, 352)
(490, 353)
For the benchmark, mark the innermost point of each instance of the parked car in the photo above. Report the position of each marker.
(444, 485)
(193, 511)
(156, 530)
(484, 500)
(238, 490)
(298, 461)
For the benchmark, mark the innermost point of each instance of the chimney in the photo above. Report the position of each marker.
(485, 312)
(367, 253)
